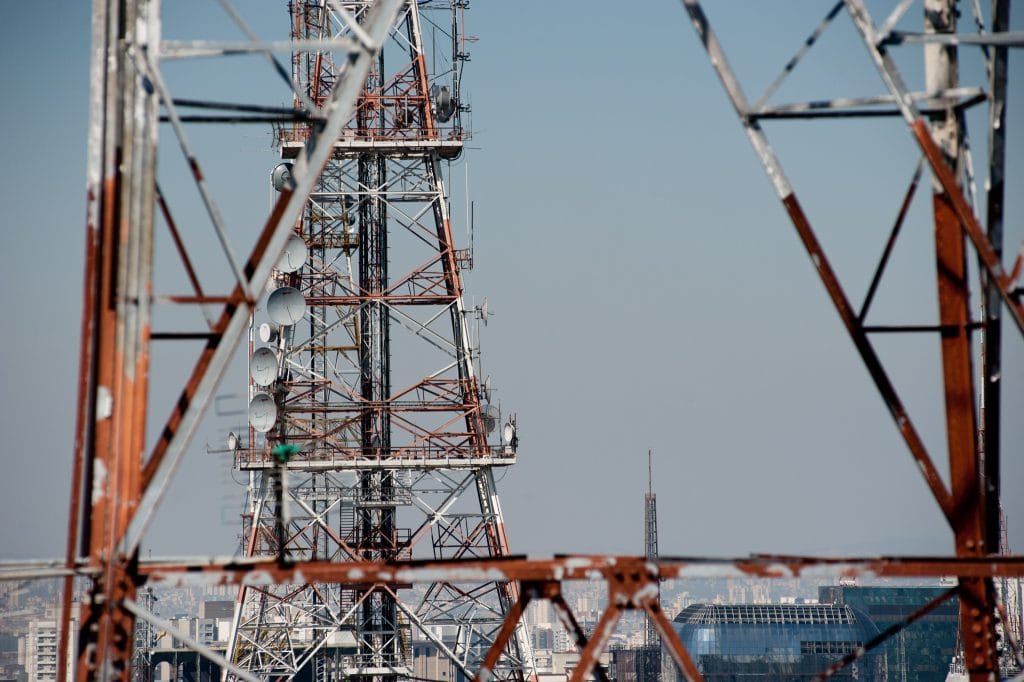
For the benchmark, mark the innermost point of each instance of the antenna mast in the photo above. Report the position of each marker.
(652, 641)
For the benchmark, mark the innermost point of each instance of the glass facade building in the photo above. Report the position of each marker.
(784, 642)
(923, 650)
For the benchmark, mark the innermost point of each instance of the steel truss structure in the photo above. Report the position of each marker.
(936, 119)
(651, 651)
(376, 395)
(117, 484)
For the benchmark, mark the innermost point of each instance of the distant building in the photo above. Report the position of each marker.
(41, 651)
(922, 651)
(217, 610)
(564, 663)
(543, 637)
(562, 641)
(782, 642)
(430, 664)
(635, 664)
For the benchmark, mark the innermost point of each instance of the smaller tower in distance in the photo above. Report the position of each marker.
(652, 641)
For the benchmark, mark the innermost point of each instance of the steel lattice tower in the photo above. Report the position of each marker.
(369, 423)
(652, 640)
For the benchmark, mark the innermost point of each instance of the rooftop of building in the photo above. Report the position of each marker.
(766, 614)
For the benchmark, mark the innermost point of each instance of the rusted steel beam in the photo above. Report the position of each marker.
(109, 481)
(670, 638)
(954, 220)
(591, 653)
(867, 352)
(969, 493)
(233, 570)
(632, 583)
(571, 625)
(977, 609)
(1000, 278)
(202, 300)
(1002, 281)
(965, 505)
(112, 418)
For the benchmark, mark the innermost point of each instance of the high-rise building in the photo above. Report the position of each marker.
(41, 651)
(920, 652)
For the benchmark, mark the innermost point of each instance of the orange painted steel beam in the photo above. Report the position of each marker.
(969, 523)
(584, 567)
(1002, 280)
(632, 583)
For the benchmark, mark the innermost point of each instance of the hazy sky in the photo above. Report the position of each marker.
(648, 290)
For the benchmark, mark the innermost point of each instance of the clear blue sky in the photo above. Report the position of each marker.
(648, 289)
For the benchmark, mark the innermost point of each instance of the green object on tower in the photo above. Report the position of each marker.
(284, 451)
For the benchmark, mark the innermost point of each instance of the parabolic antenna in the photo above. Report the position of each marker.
(444, 107)
(286, 306)
(263, 367)
(281, 177)
(232, 441)
(508, 433)
(266, 333)
(487, 388)
(294, 256)
(262, 412)
(490, 414)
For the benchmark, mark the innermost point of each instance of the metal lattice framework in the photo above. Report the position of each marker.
(375, 389)
(117, 484)
(936, 119)
(652, 648)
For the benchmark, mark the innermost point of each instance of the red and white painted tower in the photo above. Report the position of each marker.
(371, 434)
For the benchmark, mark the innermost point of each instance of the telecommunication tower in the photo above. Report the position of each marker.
(652, 640)
(1009, 591)
(371, 436)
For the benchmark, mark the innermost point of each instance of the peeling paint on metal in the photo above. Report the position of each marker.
(258, 578)
(451, 575)
(104, 403)
(99, 480)
(648, 592)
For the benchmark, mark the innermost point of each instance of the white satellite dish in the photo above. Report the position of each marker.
(508, 434)
(487, 388)
(490, 416)
(286, 306)
(266, 333)
(444, 106)
(263, 367)
(232, 441)
(295, 254)
(262, 412)
(483, 311)
(281, 177)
